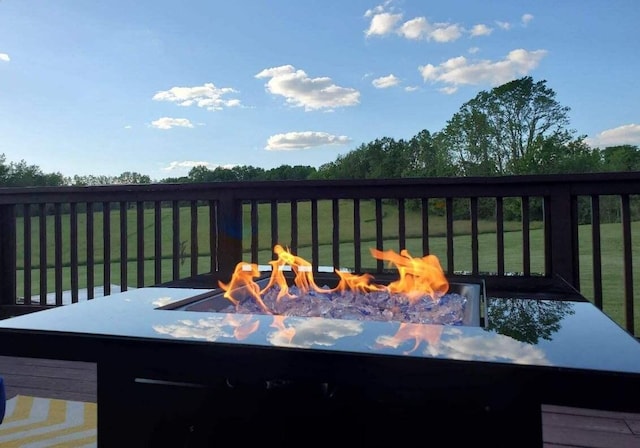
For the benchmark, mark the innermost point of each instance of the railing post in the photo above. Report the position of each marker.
(7, 255)
(563, 238)
(229, 225)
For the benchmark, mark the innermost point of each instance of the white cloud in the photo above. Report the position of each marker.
(419, 28)
(385, 81)
(128, 126)
(411, 88)
(302, 91)
(175, 165)
(444, 32)
(415, 29)
(4, 57)
(473, 50)
(207, 96)
(503, 25)
(303, 140)
(526, 19)
(168, 123)
(382, 23)
(459, 70)
(449, 90)
(628, 134)
(377, 10)
(480, 30)
(188, 164)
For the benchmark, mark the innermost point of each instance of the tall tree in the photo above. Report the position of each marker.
(4, 170)
(288, 172)
(494, 132)
(553, 157)
(21, 174)
(200, 173)
(248, 172)
(129, 177)
(353, 165)
(382, 158)
(428, 157)
(89, 180)
(621, 158)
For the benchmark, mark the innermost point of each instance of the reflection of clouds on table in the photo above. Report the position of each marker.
(209, 329)
(492, 347)
(448, 342)
(306, 332)
(430, 340)
(289, 331)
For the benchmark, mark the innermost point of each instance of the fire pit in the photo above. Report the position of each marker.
(174, 363)
(307, 308)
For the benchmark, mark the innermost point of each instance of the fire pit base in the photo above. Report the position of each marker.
(296, 413)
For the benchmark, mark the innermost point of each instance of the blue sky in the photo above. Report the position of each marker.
(157, 87)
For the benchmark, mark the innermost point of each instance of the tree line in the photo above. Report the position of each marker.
(516, 128)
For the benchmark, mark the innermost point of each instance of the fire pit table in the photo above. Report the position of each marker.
(170, 374)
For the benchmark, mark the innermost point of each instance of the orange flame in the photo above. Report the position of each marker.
(418, 277)
(242, 280)
(301, 268)
(359, 283)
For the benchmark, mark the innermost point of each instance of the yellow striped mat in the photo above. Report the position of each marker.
(33, 422)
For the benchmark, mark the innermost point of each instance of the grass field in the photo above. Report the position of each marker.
(612, 245)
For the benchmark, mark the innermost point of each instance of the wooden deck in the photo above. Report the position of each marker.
(562, 426)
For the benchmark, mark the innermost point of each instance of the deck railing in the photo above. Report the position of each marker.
(74, 240)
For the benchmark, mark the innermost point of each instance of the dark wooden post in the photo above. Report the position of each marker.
(7, 255)
(563, 239)
(229, 225)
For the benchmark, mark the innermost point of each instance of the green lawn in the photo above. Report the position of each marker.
(612, 249)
